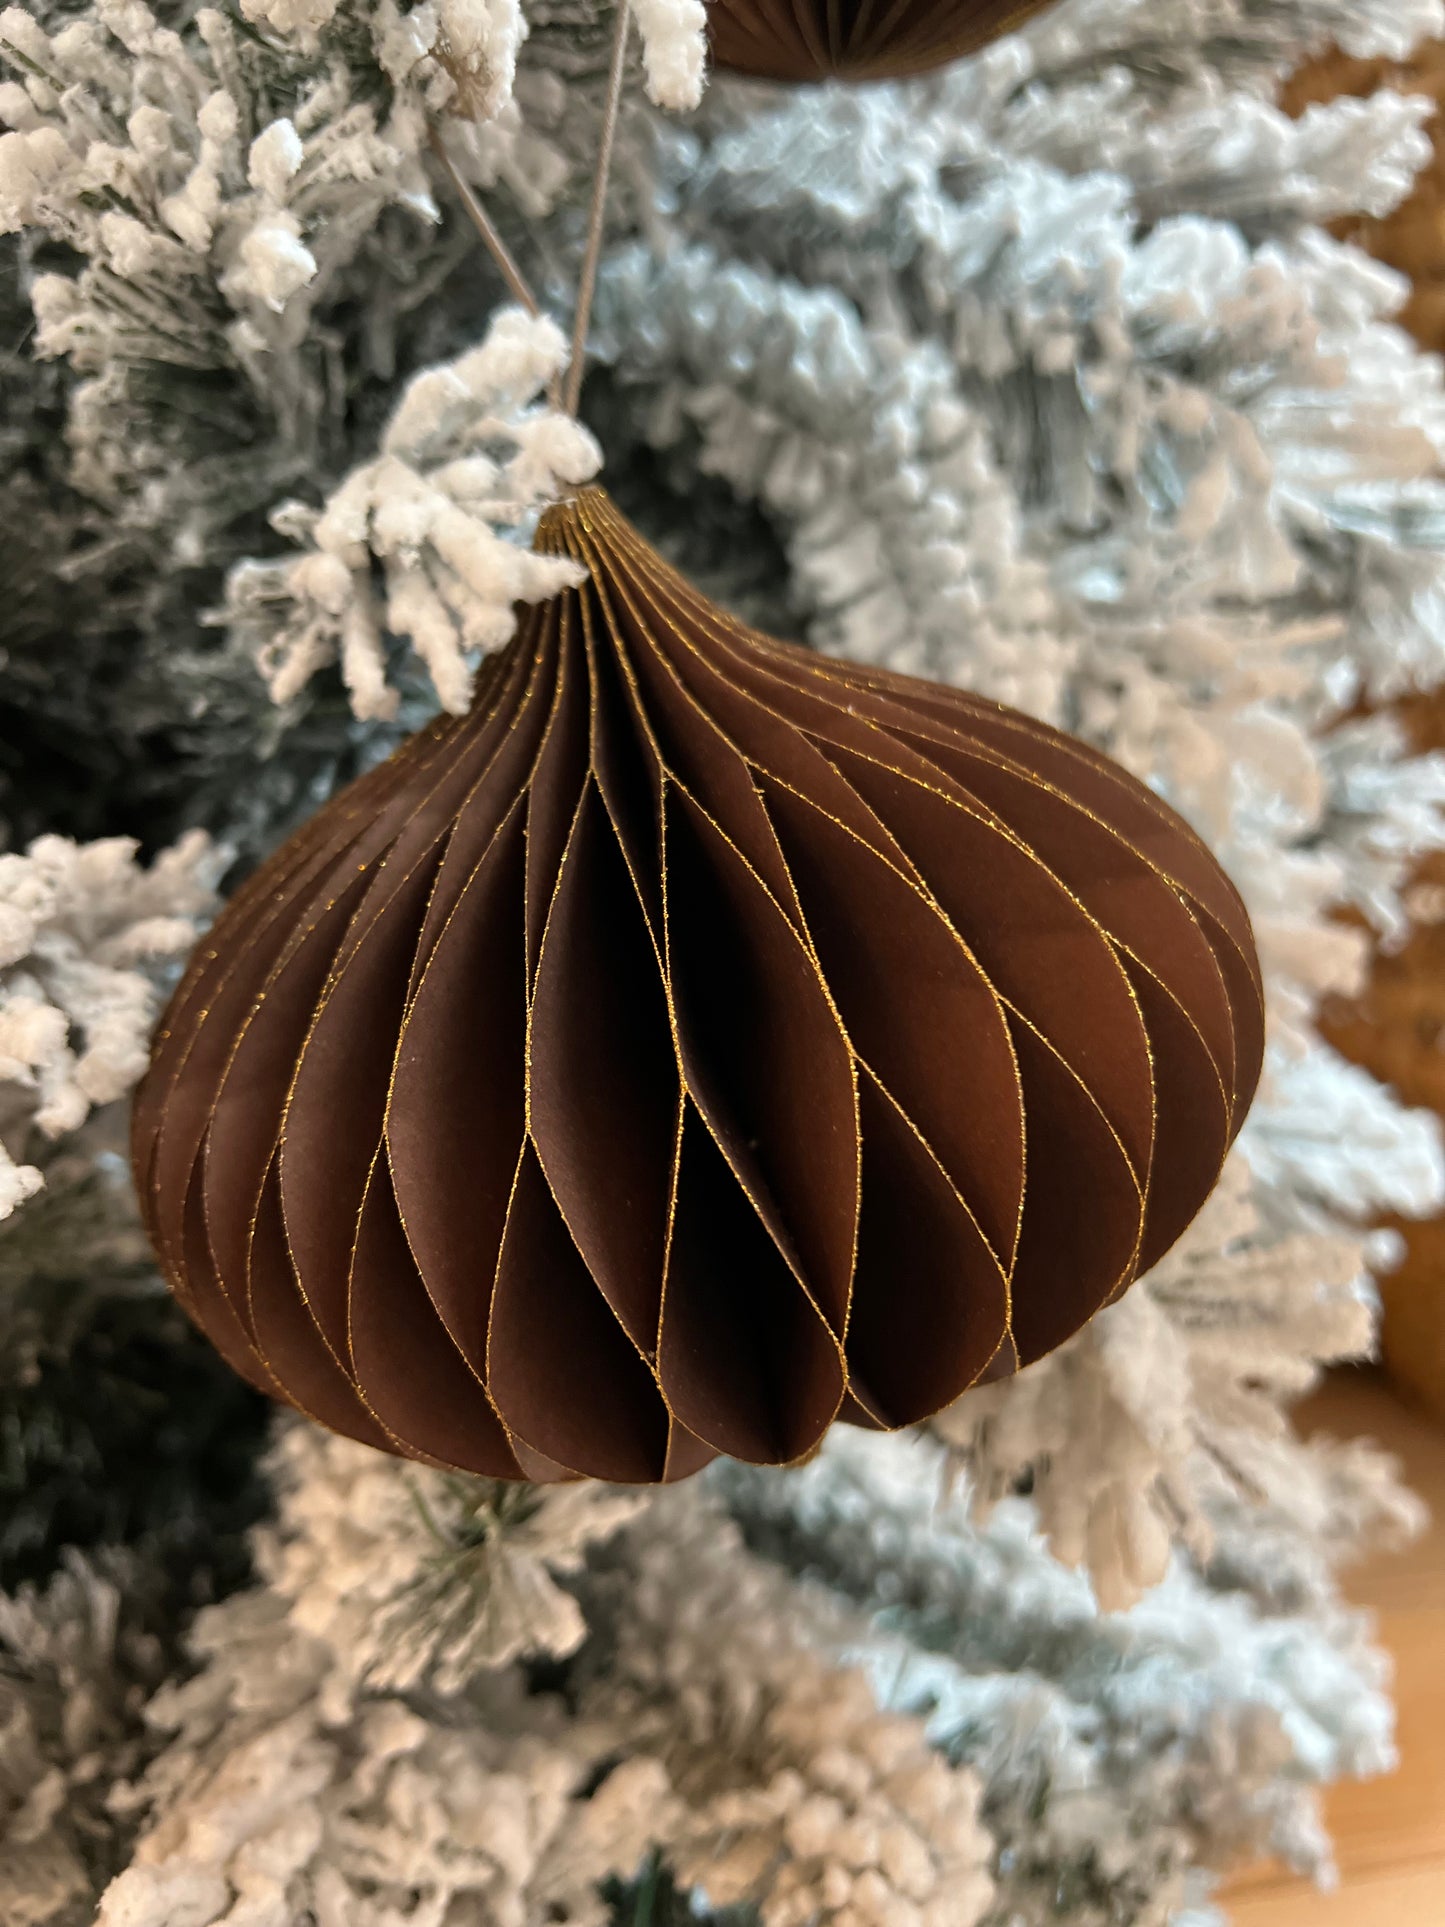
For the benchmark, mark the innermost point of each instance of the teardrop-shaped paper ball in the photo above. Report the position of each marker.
(699, 1041)
(802, 40)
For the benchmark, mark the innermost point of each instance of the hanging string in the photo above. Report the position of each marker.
(482, 222)
(597, 215)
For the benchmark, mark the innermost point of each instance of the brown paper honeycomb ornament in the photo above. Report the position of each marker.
(699, 1041)
(802, 40)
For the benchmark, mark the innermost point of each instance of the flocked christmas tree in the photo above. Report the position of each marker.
(1038, 376)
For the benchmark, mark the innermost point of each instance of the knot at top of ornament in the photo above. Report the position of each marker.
(699, 1041)
(809, 40)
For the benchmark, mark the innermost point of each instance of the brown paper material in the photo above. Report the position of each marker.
(802, 40)
(697, 1042)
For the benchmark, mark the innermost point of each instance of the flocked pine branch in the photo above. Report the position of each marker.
(76, 1663)
(705, 1714)
(410, 1575)
(86, 935)
(467, 452)
(1021, 1677)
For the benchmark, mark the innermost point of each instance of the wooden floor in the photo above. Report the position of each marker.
(1389, 1834)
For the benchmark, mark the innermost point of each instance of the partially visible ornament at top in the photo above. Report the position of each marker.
(801, 40)
(699, 1041)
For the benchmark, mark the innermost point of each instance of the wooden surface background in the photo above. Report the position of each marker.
(1389, 1833)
